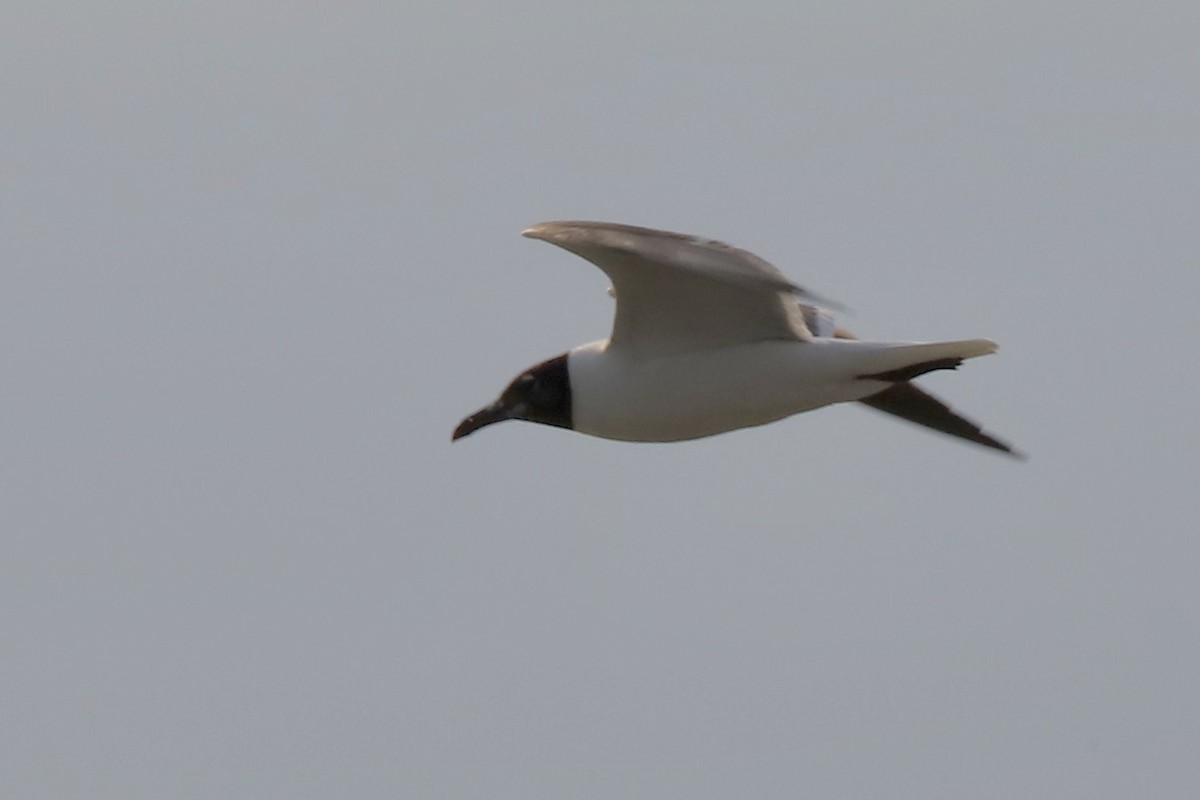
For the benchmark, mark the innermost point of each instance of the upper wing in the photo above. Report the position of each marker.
(677, 293)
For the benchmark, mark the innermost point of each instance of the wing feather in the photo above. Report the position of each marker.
(677, 293)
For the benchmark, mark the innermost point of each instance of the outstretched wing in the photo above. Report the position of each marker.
(677, 293)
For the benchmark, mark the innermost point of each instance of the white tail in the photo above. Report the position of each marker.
(902, 361)
(965, 348)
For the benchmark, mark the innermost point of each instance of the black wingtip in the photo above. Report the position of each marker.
(911, 403)
(915, 370)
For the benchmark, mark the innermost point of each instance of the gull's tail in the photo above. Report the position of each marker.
(899, 362)
(908, 401)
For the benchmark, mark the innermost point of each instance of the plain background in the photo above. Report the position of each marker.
(258, 260)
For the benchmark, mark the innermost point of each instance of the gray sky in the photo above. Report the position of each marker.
(259, 259)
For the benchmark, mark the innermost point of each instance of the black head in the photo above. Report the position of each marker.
(541, 393)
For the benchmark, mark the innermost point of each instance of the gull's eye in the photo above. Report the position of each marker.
(539, 393)
(520, 388)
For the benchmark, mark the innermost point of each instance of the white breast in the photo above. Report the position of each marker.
(700, 394)
(689, 395)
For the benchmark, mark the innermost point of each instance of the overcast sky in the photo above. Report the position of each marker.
(258, 260)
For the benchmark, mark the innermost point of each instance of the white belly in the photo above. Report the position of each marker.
(700, 394)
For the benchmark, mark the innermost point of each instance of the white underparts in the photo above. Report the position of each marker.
(691, 395)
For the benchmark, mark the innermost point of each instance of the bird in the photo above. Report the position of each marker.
(708, 338)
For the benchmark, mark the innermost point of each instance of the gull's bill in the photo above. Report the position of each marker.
(489, 414)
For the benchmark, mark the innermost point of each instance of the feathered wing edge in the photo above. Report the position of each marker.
(907, 401)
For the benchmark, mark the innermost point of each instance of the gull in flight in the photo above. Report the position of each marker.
(708, 338)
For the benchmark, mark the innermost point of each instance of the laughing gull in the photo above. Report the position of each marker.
(709, 338)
